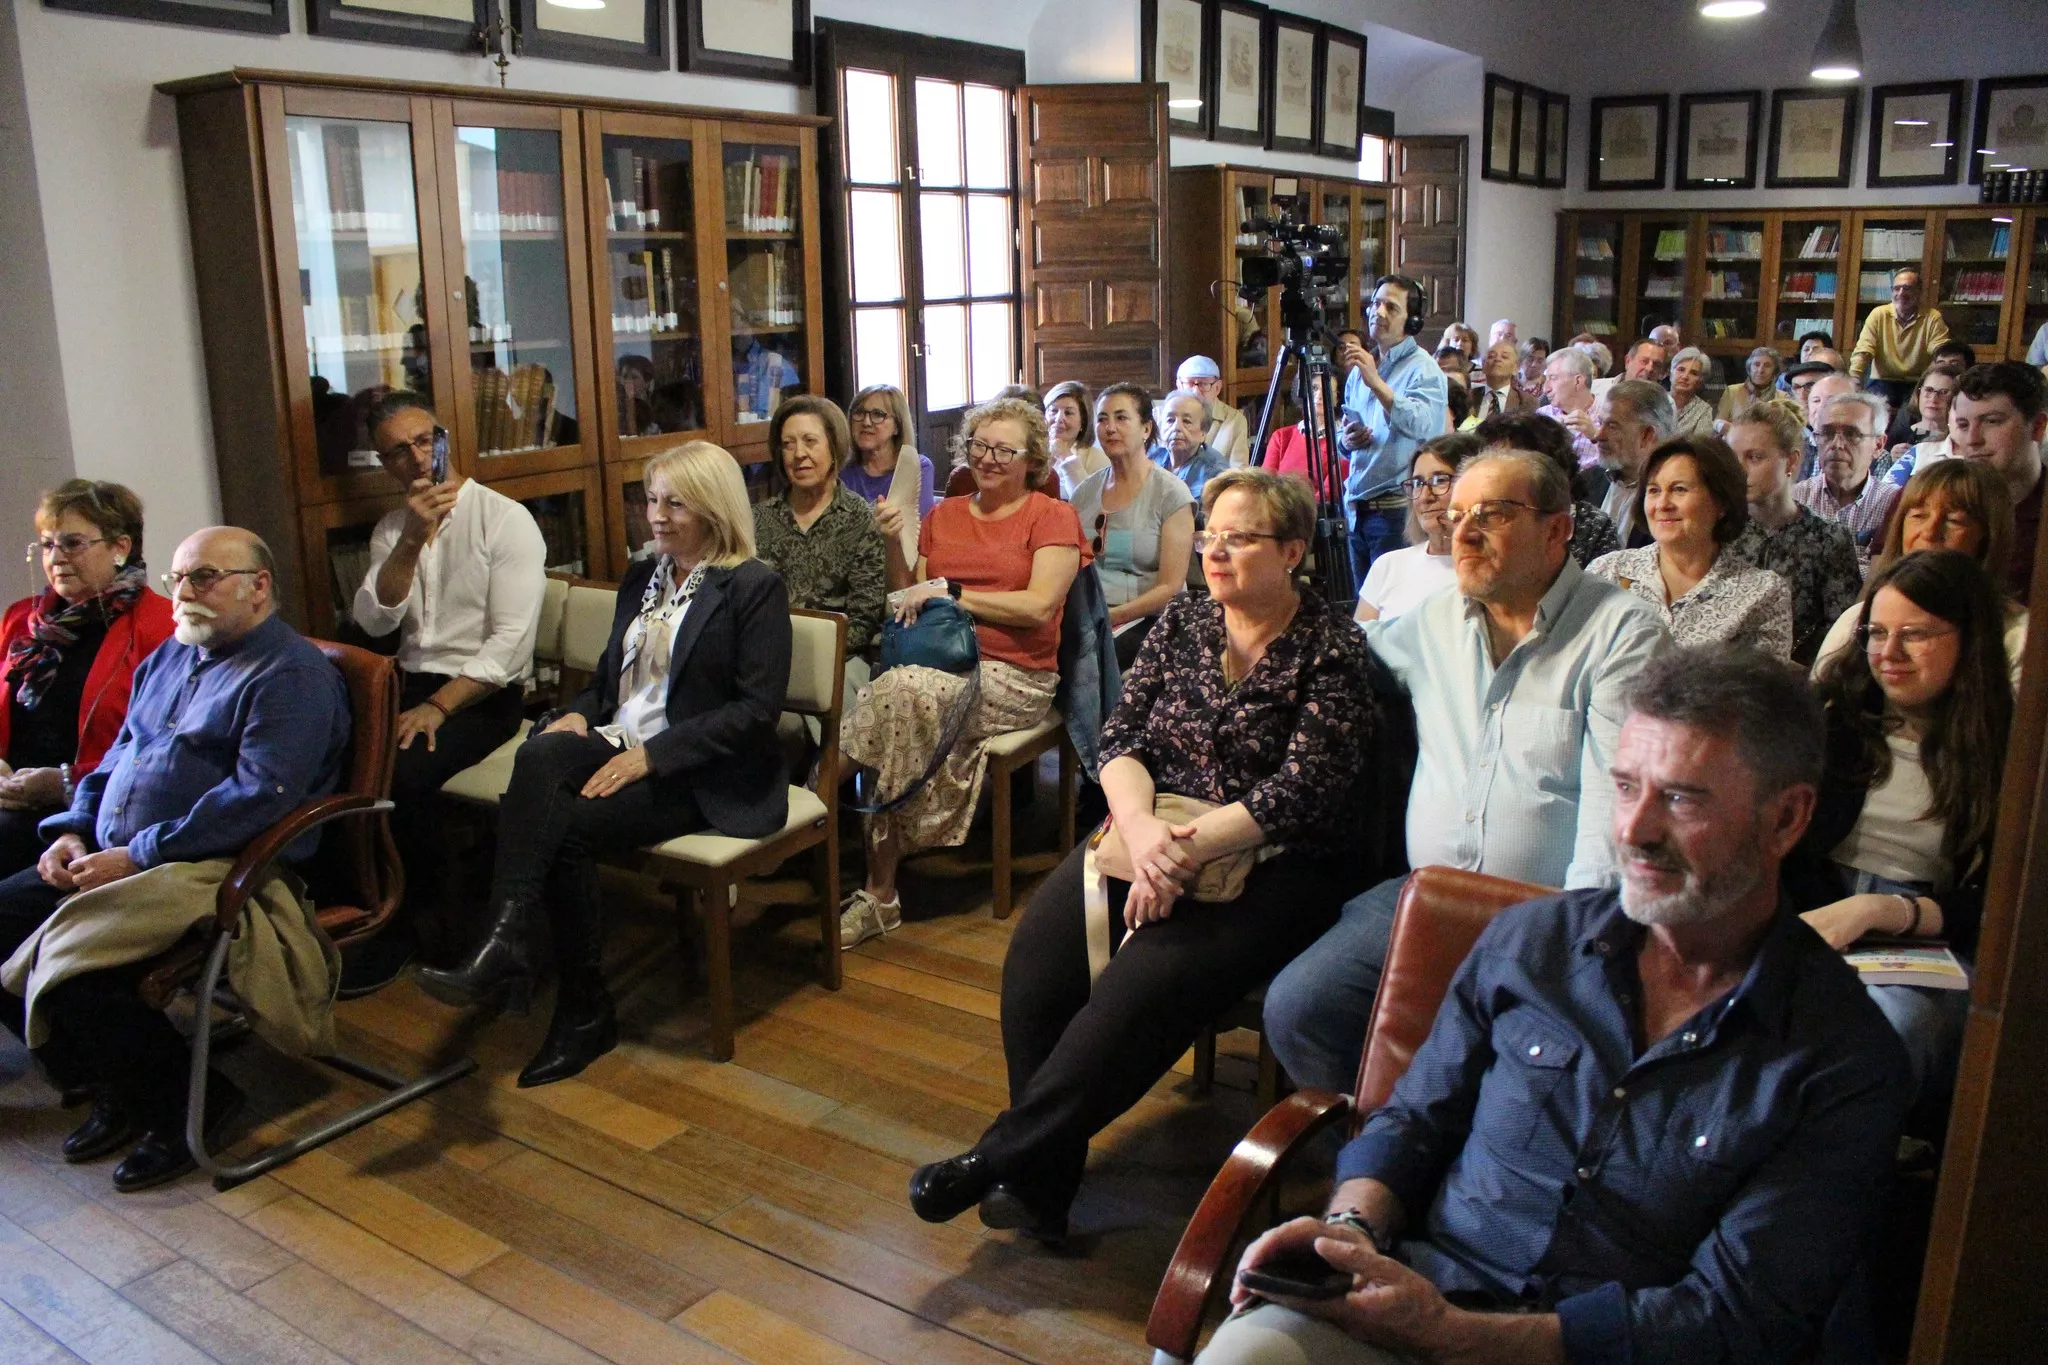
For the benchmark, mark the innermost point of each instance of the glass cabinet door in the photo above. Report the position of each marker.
(1334, 209)
(515, 266)
(356, 223)
(1662, 291)
(2035, 319)
(764, 271)
(1732, 291)
(1809, 280)
(1248, 332)
(1975, 252)
(1369, 256)
(656, 336)
(1888, 244)
(1596, 278)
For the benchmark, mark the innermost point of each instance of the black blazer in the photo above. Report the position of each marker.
(727, 677)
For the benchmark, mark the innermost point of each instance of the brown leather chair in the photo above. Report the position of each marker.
(1440, 916)
(356, 882)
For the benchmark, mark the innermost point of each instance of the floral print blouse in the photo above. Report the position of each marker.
(1734, 602)
(1289, 740)
(1817, 560)
(837, 565)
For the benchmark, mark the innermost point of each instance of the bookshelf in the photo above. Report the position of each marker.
(1731, 282)
(1976, 273)
(574, 283)
(2031, 285)
(1665, 276)
(1808, 279)
(1592, 267)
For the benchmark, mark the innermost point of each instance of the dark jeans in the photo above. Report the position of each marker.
(464, 740)
(1080, 1057)
(1130, 642)
(20, 845)
(1373, 533)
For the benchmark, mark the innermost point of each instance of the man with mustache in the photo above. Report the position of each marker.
(1653, 1123)
(236, 721)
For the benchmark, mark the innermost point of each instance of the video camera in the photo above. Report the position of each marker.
(1307, 261)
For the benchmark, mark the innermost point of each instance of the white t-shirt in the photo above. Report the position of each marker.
(1895, 837)
(1399, 579)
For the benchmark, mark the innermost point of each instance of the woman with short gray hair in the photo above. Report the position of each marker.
(1689, 370)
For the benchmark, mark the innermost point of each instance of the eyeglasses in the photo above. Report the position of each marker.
(72, 545)
(203, 581)
(1230, 542)
(1912, 639)
(1846, 435)
(1490, 515)
(423, 443)
(1435, 483)
(978, 449)
(875, 415)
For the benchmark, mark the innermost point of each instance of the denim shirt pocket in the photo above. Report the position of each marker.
(1520, 1101)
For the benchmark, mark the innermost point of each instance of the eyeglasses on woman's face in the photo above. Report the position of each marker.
(70, 546)
(1878, 640)
(1230, 542)
(978, 449)
(1434, 483)
(869, 416)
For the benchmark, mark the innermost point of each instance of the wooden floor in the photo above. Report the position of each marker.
(661, 1207)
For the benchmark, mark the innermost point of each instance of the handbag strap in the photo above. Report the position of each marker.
(949, 735)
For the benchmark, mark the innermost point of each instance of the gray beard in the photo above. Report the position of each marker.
(1701, 899)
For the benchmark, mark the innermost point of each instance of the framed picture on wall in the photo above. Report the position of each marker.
(1291, 93)
(768, 40)
(1717, 140)
(1237, 96)
(1180, 48)
(1557, 127)
(1498, 159)
(2011, 125)
(244, 16)
(620, 33)
(1341, 74)
(1529, 135)
(1813, 138)
(1913, 134)
(1626, 135)
(444, 25)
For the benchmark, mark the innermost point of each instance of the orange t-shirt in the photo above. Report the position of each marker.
(995, 556)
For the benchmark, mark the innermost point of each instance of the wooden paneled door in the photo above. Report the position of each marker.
(1429, 225)
(1091, 175)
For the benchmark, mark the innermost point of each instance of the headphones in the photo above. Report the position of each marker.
(1418, 302)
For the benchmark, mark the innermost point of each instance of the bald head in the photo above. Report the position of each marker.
(1825, 390)
(224, 583)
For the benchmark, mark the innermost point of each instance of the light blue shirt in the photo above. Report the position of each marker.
(2037, 353)
(1416, 416)
(1205, 464)
(1512, 778)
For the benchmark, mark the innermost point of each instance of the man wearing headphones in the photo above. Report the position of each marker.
(1393, 401)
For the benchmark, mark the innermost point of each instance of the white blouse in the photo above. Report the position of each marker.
(643, 677)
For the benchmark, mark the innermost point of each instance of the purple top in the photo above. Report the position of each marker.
(869, 487)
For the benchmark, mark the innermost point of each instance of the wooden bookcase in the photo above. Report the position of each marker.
(1208, 212)
(575, 283)
(1737, 279)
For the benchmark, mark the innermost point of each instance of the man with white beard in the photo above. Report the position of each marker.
(1650, 1123)
(234, 724)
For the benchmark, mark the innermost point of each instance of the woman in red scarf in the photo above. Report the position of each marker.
(70, 654)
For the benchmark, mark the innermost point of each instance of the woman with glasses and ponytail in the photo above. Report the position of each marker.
(1401, 578)
(71, 651)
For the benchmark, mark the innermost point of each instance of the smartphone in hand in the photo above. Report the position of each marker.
(438, 470)
(1297, 1275)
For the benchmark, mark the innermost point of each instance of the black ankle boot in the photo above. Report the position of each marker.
(584, 1028)
(501, 971)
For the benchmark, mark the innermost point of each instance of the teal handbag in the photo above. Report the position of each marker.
(942, 637)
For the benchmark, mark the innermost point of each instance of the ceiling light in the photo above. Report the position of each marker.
(577, 4)
(1730, 9)
(2001, 220)
(1838, 56)
(1910, 122)
(1171, 104)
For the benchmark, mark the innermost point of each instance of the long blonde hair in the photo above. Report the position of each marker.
(707, 478)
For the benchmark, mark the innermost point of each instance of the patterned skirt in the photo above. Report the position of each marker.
(898, 720)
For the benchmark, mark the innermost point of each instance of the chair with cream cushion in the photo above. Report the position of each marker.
(1007, 753)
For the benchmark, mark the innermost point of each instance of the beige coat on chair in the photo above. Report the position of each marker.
(282, 967)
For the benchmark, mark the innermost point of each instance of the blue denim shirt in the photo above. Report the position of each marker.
(217, 747)
(1701, 1199)
(1417, 416)
(1205, 464)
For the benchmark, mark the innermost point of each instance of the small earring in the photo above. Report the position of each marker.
(120, 561)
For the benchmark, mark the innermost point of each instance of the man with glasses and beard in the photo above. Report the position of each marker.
(1650, 1123)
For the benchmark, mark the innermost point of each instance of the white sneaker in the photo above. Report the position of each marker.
(862, 917)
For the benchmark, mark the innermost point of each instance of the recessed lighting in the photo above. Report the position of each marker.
(1171, 104)
(1910, 122)
(577, 4)
(2001, 220)
(1987, 151)
(1941, 144)
(1730, 9)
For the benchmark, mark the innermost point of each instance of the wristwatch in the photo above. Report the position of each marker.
(1352, 1218)
(953, 589)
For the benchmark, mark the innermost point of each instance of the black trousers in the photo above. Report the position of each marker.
(1077, 1058)
(464, 740)
(20, 845)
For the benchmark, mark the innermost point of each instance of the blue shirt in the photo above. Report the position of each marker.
(1703, 1199)
(870, 488)
(1416, 416)
(1205, 464)
(217, 748)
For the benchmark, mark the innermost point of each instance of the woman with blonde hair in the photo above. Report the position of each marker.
(675, 732)
(900, 490)
(1071, 436)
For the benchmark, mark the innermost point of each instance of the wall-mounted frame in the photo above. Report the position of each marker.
(1528, 135)
(1497, 158)
(1292, 95)
(631, 33)
(1813, 138)
(243, 16)
(1180, 50)
(1340, 73)
(1717, 136)
(768, 40)
(2011, 124)
(1626, 141)
(1237, 96)
(1913, 134)
(443, 25)
(1557, 138)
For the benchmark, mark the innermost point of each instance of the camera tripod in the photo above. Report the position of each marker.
(1304, 351)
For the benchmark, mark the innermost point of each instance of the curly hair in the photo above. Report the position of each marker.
(1030, 415)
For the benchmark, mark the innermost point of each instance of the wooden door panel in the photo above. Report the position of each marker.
(1064, 303)
(1100, 240)
(1060, 182)
(1428, 231)
(1130, 181)
(1135, 303)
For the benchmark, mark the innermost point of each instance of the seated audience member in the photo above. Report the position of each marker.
(1847, 490)
(1631, 419)
(1495, 394)
(1400, 579)
(1180, 449)
(1812, 344)
(71, 651)
(1645, 361)
(884, 469)
(1457, 405)
(1918, 718)
(457, 571)
(1653, 1123)
(1007, 555)
(1253, 699)
(1925, 441)
(1466, 340)
(676, 732)
(1023, 393)
(1592, 532)
(1824, 389)
(1954, 505)
(232, 725)
(1516, 680)
(1502, 331)
(1759, 384)
(1450, 358)
(1951, 357)
(1999, 417)
(1694, 500)
(1223, 427)
(1070, 436)
(817, 533)
(1688, 376)
(1531, 357)
(1568, 385)
(1140, 520)
(1597, 352)
(1815, 557)
(1393, 402)
(1287, 452)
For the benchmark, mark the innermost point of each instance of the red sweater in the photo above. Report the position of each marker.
(1287, 453)
(131, 637)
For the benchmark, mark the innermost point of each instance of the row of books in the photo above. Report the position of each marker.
(646, 295)
(515, 409)
(560, 518)
(760, 193)
(767, 287)
(1817, 286)
(1596, 248)
(351, 325)
(2001, 243)
(1893, 244)
(1718, 328)
(1976, 286)
(1664, 287)
(1874, 286)
(1743, 244)
(1728, 284)
(632, 186)
(1670, 245)
(1593, 287)
(528, 201)
(1599, 327)
(1824, 240)
(2015, 187)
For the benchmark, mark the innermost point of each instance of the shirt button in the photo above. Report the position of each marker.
(1601, 947)
(1470, 818)
(1584, 1173)
(1535, 1049)
(1621, 1092)
(1700, 1141)
(1689, 1037)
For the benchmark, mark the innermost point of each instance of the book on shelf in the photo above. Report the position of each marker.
(1976, 286)
(759, 193)
(1670, 244)
(1807, 286)
(1742, 244)
(644, 297)
(528, 201)
(1593, 287)
(1824, 240)
(1907, 962)
(1999, 246)
(1894, 244)
(1799, 327)
(1874, 286)
(349, 562)
(633, 189)
(1596, 248)
(1664, 287)
(1727, 284)
(515, 410)
(1599, 327)
(766, 288)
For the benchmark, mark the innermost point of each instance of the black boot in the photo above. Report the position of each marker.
(584, 1026)
(502, 969)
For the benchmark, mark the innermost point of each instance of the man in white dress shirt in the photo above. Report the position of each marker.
(457, 571)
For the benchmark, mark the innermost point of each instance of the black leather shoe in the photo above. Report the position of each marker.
(582, 1031)
(162, 1157)
(944, 1190)
(501, 971)
(105, 1129)
(1003, 1207)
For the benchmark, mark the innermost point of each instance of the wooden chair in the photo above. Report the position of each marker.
(356, 882)
(1007, 754)
(1440, 916)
